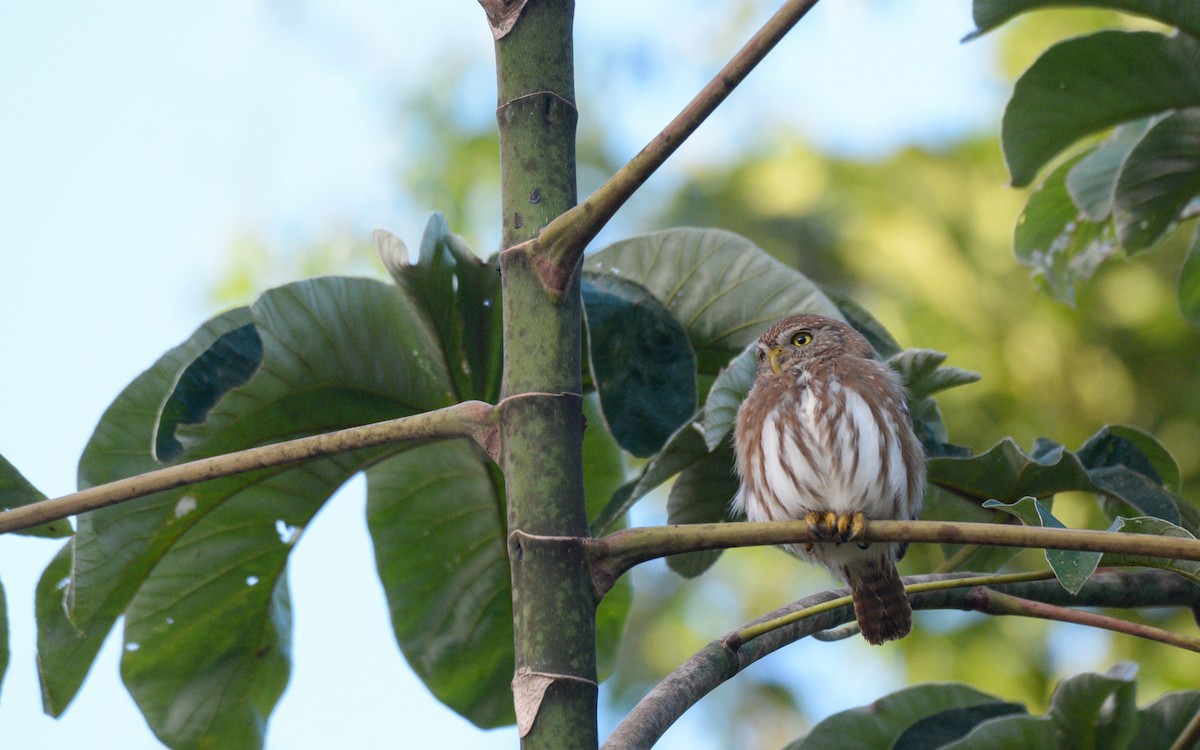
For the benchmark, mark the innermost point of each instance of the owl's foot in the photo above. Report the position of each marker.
(843, 527)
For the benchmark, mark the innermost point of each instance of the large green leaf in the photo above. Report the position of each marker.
(884, 722)
(440, 549)
(1097, 710)
(335, 352)
(1189, 569)
(726, 395)
(1185, 14)
(1107, 463)
(1072, 569)
(1162, 722)
(722, 288)
(1160, 178)
(16, 491)
(701, 494)
(1057, 240)
(1084, 85)
(641, 362)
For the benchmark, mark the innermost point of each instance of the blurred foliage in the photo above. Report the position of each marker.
(923, 240)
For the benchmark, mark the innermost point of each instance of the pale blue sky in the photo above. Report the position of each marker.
(140, 139)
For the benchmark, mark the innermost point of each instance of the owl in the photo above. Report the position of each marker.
(825, 436)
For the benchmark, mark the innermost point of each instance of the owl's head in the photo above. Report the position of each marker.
(805, 337)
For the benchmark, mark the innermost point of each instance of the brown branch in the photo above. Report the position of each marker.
(616, 553)
(562, 241)
(725, 657)
(473, 419)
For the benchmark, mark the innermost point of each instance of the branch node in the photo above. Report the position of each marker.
(529, 687)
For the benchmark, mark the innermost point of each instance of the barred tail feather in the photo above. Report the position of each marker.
(880, 604)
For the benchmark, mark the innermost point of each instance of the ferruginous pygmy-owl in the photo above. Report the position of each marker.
(825, 436)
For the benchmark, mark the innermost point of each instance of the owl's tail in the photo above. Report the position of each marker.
(880, 604)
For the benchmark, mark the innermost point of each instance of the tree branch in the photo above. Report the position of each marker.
(473, 419)
(562, 241)
(725, 657)
(616, 553)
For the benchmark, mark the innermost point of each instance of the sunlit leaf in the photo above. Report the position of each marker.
(883, 722)
(16, 491)
(1160, 177)
(988, 14)
(641, 362)
(1189, 282)
(1084, 85)
(1057, 240)
(1093, 180)
(723, 289)
(701, 494)
(1072, 569)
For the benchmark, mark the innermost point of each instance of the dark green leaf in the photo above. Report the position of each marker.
(641, 362)
(1189, 282)
(725, 396)
(1007, 473)
(1084, 85)
(880, 724)
(1072, 569)
(1160, 178)
(722, 288)
(941, 505)
(1093, 180)
(949, 725)
(701, 494)
(1012, 732)
(228, 363)
(1163, 721)
(336, 353)
(459, 296)
(923, 374)
(1119, 467)
(988, 14)
(1189, 569)
(1097, 710)
(438, 526)
(16, 491)
(1055, 239)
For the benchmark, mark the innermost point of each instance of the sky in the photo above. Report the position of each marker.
(140, 140)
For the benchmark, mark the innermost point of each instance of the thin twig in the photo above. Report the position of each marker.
(996, 603)
(616, 553)
(473, 419)
(562, 241)
(1189, 738)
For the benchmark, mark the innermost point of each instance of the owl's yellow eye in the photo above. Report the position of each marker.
(802, 338)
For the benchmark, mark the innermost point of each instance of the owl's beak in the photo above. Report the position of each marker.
(775, 356)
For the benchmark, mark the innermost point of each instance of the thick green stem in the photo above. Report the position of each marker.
(542, 432)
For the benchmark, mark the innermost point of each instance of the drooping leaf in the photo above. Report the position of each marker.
(1072, 569)
(1084, 85)
(883, 722)
(1162, 722)
(1118, 465)
(988, 14)
(1160, 178)
(641, 362)
(1189, 282)
(722, 288)
(947, 726)
(336, 353)
(701, 494)
(1189, 569)
(16, 491)
(440, 550)
(1092, 182)
(1057, 241)
(1097, 710)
